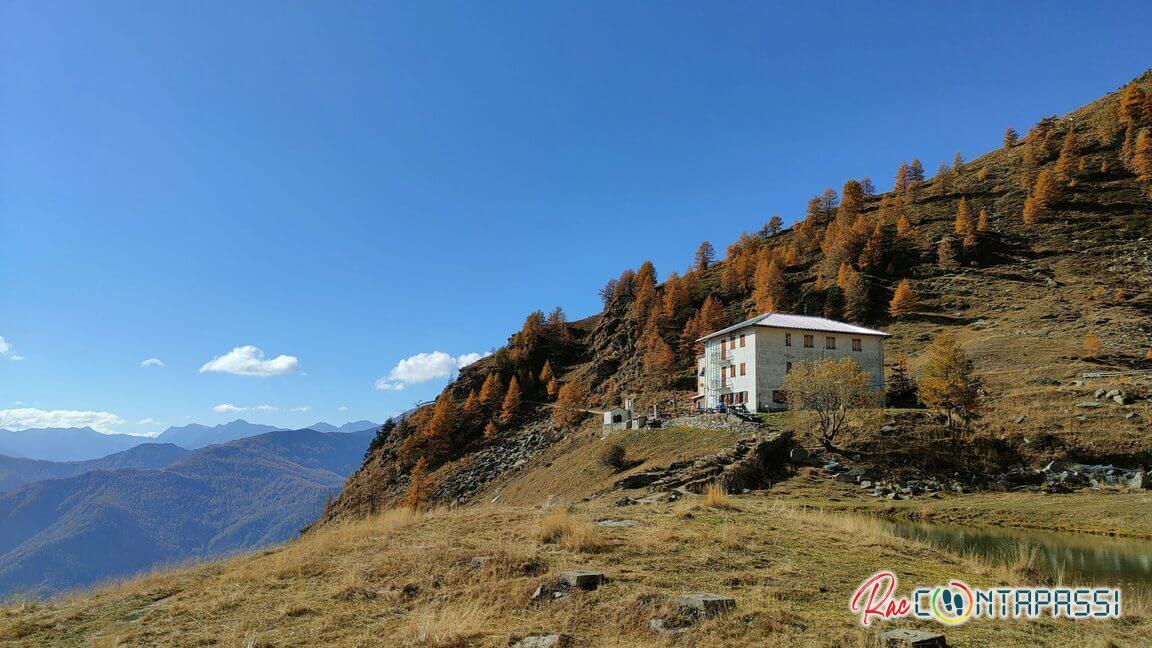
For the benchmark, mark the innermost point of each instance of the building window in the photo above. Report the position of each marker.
(787, 339)
(741, 340)
(809, 342)
(778, 396)
(787, 367)
(829, 342)
(732, 342)
(857, 345)
(742, 372)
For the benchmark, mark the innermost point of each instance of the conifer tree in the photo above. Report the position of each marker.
(904, 228)
(775, 224)
(948, 381)
(964, 222)
(569, 403)
(658, 360)
(833, 302)
(625, 286)
(676, 297)
(512, 403)
(872, 256)
(1031, 212)
(867, 186)
(705, 256)
(1134, 107)
(557, 323)
(901, 389)
(915, 171)
(553, 388)
(905, 301)
(492, 393)
(419, 488)
(957, 161)
(1093, 347)
(709, 318)
(1142, 156)
(851, 199)
(473, 411)
(901, 182)
(436, 437)
(607, 292)
(490, 431)
(770, 293)
(855, 295)
(546, 372)
(1067, 163)
(828, 202)
(1010, 137)
(982, 221)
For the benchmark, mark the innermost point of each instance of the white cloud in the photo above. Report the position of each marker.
(249, 361)
(266, 408)
(227, 408)
(6, 350)
(148, 421)
(425, 367)
(342, 408)
(152, 362)
(302, 408)
(384, 385)
(30, 417)
(468, 358)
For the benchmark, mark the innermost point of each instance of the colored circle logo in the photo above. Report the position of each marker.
(952, 603)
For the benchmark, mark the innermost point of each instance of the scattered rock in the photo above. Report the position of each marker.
(668, 628)
(914, 639)
(581, 580)
(479, 562)
(706, 605)
(1018, 420)
(1139, 481)
(1090, 404)
(617, 524)
(542, 641)
(1120, 399)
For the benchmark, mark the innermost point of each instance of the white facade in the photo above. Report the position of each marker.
(745, 364)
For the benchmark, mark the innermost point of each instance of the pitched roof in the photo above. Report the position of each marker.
(801, 322)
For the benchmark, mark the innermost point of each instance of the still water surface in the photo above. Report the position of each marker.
(1069, 557)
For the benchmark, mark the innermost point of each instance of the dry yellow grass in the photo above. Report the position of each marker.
(716, 497)
(408, 579)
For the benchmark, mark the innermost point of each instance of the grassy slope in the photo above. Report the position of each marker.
(571, 470)
(1105, 513)
(400, 579)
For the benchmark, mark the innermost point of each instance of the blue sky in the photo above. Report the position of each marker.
(349, 184)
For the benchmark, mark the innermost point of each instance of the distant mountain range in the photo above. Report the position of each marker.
(76, 531)
(82, 444)
(17, 472)
(354, 426)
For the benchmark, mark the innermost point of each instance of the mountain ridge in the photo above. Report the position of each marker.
(72, 532)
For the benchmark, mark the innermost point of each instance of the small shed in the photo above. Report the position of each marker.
(616, 416)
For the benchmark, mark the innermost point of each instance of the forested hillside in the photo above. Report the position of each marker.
(1036, 256)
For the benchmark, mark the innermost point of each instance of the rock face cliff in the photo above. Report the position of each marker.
(1058, 251)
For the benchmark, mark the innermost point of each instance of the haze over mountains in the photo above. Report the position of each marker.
(17, 472)
(83, 444)
(72, 532)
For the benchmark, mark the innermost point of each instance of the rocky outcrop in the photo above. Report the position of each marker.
(507, 456)
(750, 463)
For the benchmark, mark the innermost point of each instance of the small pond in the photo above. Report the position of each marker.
(1069, 557)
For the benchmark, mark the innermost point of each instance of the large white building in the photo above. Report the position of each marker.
(745, 364)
